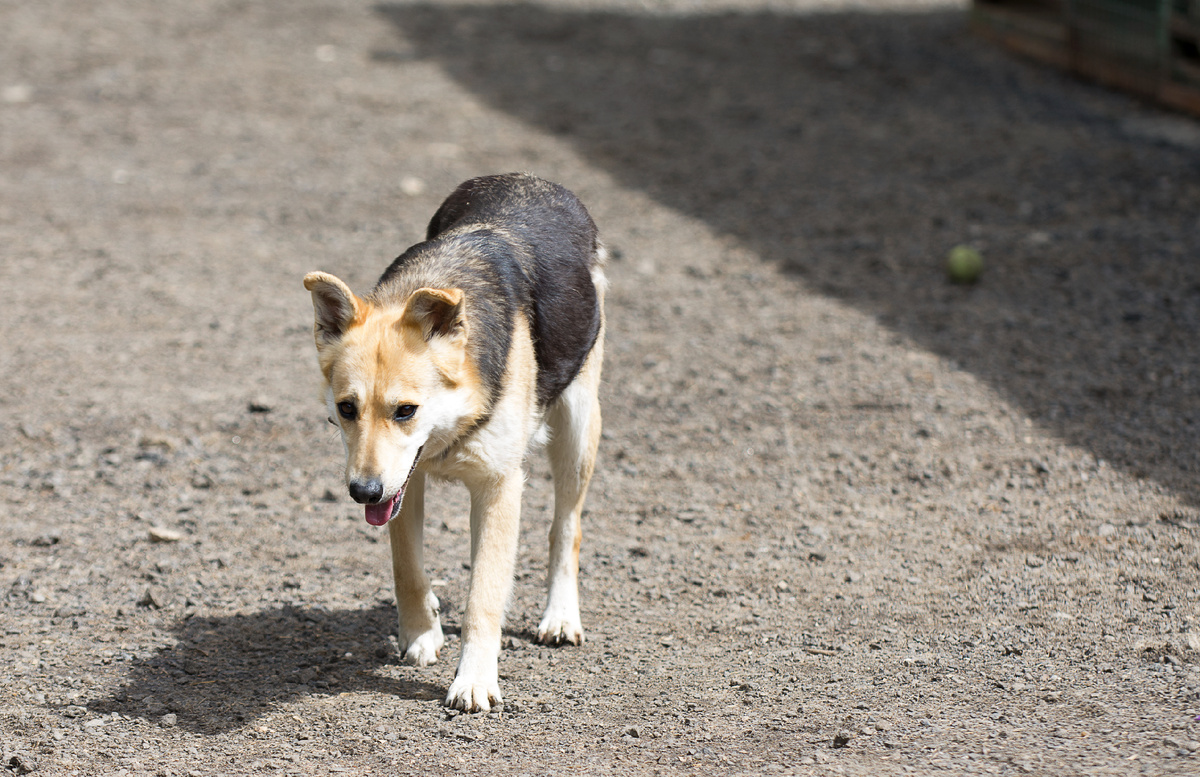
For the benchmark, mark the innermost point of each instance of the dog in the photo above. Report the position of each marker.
(474, 345)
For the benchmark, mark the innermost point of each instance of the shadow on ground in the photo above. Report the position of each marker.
(854, 150)
(224, 672)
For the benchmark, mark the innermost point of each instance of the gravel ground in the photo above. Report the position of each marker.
(848, 518)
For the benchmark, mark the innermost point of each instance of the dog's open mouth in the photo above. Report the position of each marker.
(382, 512)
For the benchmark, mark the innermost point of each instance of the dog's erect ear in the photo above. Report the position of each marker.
(435, 312)
(334, 304)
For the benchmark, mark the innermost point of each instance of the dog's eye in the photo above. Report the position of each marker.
(347, 410)
(405, 412)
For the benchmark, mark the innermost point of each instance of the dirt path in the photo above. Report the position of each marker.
(848, 518)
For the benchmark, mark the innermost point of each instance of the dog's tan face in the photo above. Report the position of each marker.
(398, 381)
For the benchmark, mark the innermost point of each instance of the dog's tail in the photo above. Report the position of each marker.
(599, 263)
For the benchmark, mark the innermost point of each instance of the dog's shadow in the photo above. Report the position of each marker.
(224, 672)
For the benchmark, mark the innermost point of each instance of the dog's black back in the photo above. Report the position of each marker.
(515, 244)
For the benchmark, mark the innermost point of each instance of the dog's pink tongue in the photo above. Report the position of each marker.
(378, 514)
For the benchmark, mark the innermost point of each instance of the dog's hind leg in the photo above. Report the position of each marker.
(574, 421)
(420, 625)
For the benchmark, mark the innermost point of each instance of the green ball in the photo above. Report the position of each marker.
(964, 264)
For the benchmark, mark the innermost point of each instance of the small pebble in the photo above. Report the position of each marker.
(21, 763)
(161, 534)
(18, 93)
(412, 186)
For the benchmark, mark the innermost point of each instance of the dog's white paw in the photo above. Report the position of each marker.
(470, 694)
(423, 650)
(476, 686)
(421, 631)
(559, 626)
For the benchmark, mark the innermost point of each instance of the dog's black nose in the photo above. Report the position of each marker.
(366, 492)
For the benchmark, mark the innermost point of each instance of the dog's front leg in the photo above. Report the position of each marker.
(495, 520)
(420, 625)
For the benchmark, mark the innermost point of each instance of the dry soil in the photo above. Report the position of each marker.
(849, 518)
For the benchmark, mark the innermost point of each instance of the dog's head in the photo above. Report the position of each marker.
(399, 383)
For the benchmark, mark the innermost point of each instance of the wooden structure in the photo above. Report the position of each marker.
(1148, 47)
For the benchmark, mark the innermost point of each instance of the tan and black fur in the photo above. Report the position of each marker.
(473, 345)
